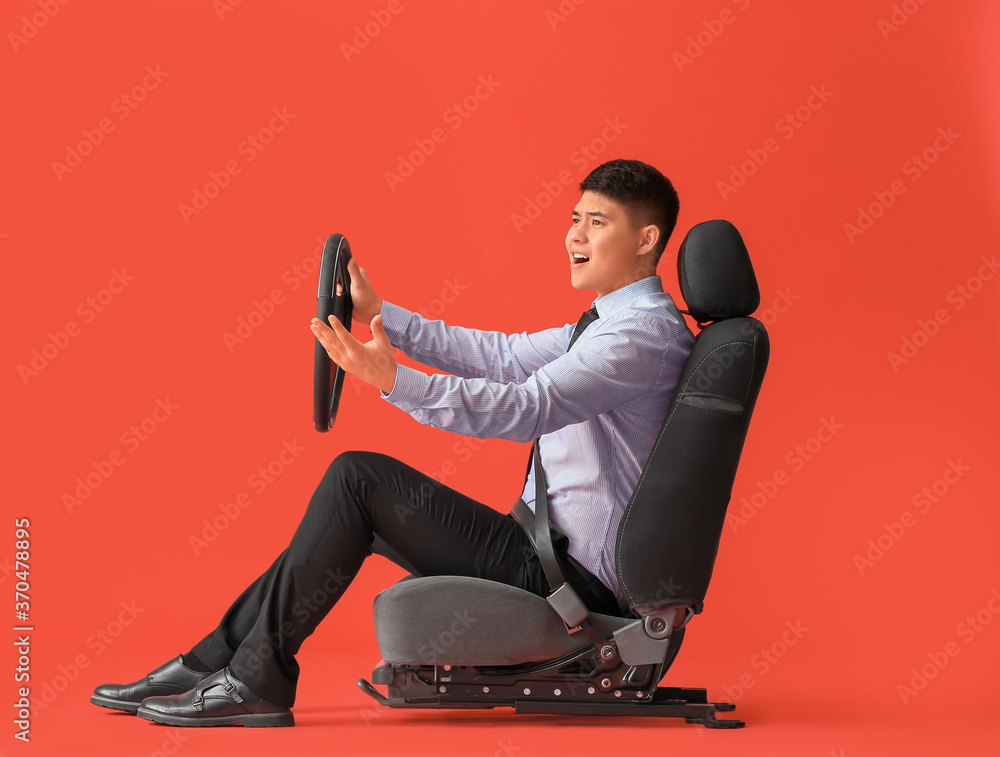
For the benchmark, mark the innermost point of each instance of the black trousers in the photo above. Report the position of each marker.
(372, 503)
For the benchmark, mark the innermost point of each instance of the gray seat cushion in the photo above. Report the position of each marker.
(472, 621)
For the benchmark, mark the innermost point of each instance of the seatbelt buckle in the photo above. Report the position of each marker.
(565, 601)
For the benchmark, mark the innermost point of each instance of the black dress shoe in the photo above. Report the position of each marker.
(173, 677)
(221, 699)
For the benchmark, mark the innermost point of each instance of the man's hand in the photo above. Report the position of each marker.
(373, 361)
(365, 303)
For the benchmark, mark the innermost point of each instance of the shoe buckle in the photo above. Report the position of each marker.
(230, 689)
(197, 702)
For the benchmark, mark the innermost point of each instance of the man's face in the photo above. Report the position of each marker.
(617, 254)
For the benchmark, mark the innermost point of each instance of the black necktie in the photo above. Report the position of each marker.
(586, 319)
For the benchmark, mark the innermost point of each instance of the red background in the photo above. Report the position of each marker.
(835, 306)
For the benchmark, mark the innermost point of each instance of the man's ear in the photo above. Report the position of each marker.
(650, 236)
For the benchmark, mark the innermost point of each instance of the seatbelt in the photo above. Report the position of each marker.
(563, 599)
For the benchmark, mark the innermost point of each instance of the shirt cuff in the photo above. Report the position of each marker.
(394, 321)
(408, 392)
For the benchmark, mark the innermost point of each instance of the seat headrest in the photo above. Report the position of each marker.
(715, 273)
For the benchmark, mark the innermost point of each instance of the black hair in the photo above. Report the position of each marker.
(646, 195)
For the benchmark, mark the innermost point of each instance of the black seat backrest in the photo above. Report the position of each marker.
(669, 534)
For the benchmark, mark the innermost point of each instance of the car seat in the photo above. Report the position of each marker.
(470, 643)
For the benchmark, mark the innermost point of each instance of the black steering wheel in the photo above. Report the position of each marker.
(327, 384)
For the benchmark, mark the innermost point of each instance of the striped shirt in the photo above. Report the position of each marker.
(597, 408)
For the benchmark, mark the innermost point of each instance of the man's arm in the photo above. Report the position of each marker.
(461, 351)
(464, 352)
(373, 361)
(472, 353)
(610, 368)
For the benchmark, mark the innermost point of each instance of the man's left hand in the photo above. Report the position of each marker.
(372, 361)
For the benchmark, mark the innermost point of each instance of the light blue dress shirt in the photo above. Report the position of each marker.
(597, 408)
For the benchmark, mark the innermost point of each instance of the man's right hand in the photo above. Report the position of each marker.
(365, 303)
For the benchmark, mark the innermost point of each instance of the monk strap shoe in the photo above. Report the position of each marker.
(220, 699)
(173, 677)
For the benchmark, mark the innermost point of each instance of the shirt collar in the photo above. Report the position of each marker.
(616, 300)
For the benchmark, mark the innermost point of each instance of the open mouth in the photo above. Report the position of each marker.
(577, 259)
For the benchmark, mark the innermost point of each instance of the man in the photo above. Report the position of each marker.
(595, 408)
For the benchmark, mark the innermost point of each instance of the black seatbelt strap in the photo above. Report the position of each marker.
(563, 599)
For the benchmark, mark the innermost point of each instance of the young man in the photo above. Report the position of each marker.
(595, 408)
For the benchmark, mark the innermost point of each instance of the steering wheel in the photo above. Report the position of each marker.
(327, 384)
